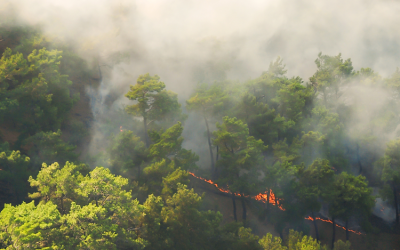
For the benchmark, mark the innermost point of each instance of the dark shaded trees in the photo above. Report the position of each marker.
(240, 158)
(391, 172)
(350, 195)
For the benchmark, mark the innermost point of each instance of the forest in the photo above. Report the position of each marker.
(310, 158)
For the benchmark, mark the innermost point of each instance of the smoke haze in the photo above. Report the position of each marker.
(180, 38)
(186, 42)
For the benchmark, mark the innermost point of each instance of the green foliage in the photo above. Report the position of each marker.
(14, 170)
(168, 144)
(35, 96)
(262, 121)
(177, 223)
(172, 181)
(153, 103)
(294, 100)
(127, 152)
(104, 189)
(238, 151)
(145, 86)
(77, 132)
(315, 184)
(89, 227)
(58, 185)
(308, 128)
(391, 166)
(209, 101)
(271, 243)
(297, 241)
(340, 245)
(331, 74)
(166, 155)
(277, 68)
(103, 219)
(30, 227)
(350, 195)
(49, 147)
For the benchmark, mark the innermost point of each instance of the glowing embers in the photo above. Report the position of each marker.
(329, 221)
(263, 197)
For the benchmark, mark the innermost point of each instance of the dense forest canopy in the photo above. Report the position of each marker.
(93, 156)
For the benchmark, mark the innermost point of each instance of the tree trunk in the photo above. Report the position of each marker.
(315, 226)
(146, 136)
(347, 229)
(244, 215)
(210, 147)
(396, 205)
(333, 231)
(234, 207)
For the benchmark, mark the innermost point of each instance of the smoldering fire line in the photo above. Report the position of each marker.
(263, 197)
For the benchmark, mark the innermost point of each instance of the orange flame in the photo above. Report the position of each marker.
(263, 197)
(329, 221)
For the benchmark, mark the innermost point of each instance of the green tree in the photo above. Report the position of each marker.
(35, 96)
(295, 100)
(48, 147)
(153, 103)
(326, 129)
(315, 182)
(264, 123)
(240, 158)
(393, 83)
(171, 182)
(107, 211)
(331, 74)
(166, 155)
(15, 172)
(30, 227)
(297, 241)
(177, 223)
(391, 171)
(88, 227)
(271, 243)
(311, 144)
(187, 226)
(127, 152)
(209, 101)
(350, 195)
(58, 185)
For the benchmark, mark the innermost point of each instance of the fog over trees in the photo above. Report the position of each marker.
(199, 125)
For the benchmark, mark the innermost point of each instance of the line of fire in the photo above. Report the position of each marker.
(263, 197)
